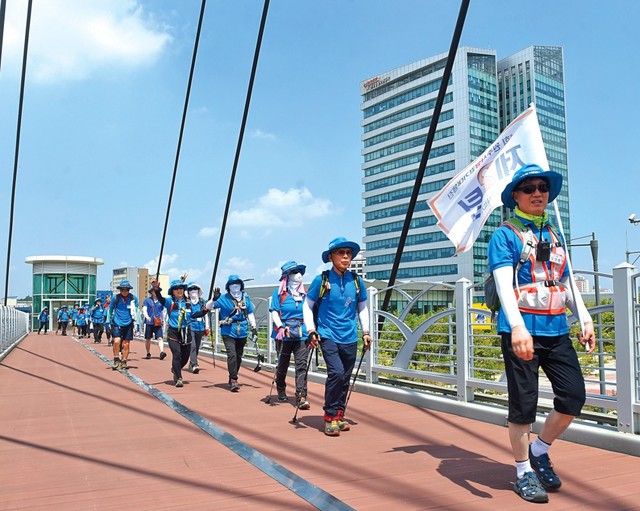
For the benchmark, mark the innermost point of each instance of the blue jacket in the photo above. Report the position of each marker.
(63, 316)
(43, 317)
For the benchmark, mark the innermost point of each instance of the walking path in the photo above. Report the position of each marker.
(76, 435)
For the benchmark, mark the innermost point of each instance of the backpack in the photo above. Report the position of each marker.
(324, 285)
(491, 298)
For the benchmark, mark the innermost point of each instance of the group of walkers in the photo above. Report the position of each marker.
(528, 260)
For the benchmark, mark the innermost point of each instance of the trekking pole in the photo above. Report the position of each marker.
(306, 378)
(259, 355)
(275, 373)
(353, 384)
(212, 341)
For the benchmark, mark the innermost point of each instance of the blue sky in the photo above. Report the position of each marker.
(105, 89)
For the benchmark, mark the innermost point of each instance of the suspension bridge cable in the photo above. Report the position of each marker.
(256, 55)
(3, 10)
(182, 124)
(464, 7)
(17, 149)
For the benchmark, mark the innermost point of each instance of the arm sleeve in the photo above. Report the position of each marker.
(574, 301)
(363, 314)
(146, 314)
(509, 305)
(307, 313)
(275, 317)
(251, 319)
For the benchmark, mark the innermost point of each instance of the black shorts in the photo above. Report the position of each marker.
(559, 361)
(151, 330)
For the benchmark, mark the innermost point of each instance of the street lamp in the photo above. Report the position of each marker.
(633, 221)
(593, 244)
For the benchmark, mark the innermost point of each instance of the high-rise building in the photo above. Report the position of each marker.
(536, 75)
(482, 97)
(397, 109)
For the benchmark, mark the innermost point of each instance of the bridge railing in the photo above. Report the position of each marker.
(455, 353)
(14, 325)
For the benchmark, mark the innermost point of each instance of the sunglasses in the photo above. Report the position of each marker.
(530, 188)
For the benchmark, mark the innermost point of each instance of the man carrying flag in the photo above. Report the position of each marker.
(532, 272)
(533, 325)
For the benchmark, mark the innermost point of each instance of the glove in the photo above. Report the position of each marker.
(314, 339)
(254, 332)
(282, 332)
(207, 332)
(216, 294)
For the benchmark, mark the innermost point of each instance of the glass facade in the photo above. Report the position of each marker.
(536, 75)
(395, 126)
(63, 280)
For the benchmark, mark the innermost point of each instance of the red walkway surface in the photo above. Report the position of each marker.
(76, 435)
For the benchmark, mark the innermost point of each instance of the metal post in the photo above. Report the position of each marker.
(464, 288)
(625, 349)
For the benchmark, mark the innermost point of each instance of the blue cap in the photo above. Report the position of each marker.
(125, 284)
(291, 267)
(340, 243)
(530, 171)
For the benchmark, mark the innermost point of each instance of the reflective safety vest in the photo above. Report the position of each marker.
(545, 294)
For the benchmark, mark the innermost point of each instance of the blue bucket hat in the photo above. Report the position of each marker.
(233, 278)
(530, 171)
(340, 243)
(175, 284)
(64, 307)
(125, 284)
(291, 266)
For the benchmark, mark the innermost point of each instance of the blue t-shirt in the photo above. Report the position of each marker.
(63, 315)
(98, 315)
(290, 310)
(197, 324)
(174, 308)
(81, 319)
(238, 329)
(338, 310)
(43, 316)
(154, 309)
(121, 313)
(505, 248)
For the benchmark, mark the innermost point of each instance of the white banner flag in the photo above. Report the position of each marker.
(464, 204)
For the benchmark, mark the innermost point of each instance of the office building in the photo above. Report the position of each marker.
(397, 109)
(536, 75)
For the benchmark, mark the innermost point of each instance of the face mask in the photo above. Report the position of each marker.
(194, 295)
(235, 291)
(295, 278)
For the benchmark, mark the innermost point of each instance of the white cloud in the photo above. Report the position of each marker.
(71, 39)
(208, 232)
(282, 208)
(262, 135)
